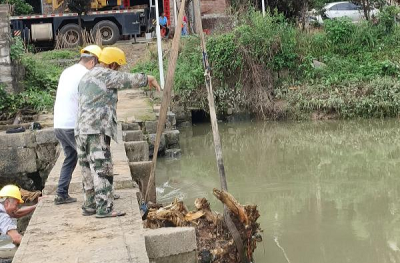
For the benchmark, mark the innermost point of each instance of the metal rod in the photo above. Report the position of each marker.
(159, 48)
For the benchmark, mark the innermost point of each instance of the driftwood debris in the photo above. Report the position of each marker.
(214, 241)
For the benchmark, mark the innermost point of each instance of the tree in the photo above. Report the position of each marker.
(80, 7)
(368, 5)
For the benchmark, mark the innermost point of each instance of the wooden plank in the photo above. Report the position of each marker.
(151, 190)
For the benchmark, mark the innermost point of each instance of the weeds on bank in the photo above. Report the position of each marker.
(267, 59)
(40, 83)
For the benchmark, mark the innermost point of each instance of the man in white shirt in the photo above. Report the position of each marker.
(65, 114)
(10, 198)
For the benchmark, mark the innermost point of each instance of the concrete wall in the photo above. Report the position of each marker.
(171, 245)
(27, 158)
(5, 61)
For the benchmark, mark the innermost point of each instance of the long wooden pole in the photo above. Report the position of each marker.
(151, 192)
(214, 124)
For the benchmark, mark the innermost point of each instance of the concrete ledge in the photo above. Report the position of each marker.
(46, 136)
(166, 242)
(15, 160)
(17, 140)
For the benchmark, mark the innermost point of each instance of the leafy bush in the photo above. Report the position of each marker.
(387, 18)
(40, 83)
(17, 48)
(20, 6)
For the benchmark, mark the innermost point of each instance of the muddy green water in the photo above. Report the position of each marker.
(326, 191)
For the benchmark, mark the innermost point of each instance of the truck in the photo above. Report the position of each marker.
(107, 18)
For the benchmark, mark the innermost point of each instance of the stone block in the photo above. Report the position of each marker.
(152, 139)
(4, 52)
(189, 257)
(137, 151)
(130, 126)
(46, 136)
(172, 139)
(151, 126)
(17, 140)
(17, 160)
(6, 70)
(140, 172)
(170, 122)
(173, 153)
(130, 136)
(47, 155)
(5, 60)
(165, 242)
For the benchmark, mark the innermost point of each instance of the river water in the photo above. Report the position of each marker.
(326, 191)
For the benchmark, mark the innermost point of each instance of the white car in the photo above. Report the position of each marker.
(344, 9)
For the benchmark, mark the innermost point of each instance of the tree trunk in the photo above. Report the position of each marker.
(304, 10)
(365, 5)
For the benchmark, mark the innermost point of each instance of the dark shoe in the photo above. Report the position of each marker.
(58, 200)
(16, 130)
(111, 214)
(87, 211)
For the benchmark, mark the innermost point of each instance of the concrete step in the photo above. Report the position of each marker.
(134, 126)
(130, 136)
(137, 151)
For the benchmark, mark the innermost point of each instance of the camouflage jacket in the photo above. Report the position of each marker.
(98, 96)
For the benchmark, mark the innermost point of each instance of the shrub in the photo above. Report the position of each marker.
(20, 6)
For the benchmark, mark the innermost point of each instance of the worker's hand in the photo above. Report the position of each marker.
(153, 82)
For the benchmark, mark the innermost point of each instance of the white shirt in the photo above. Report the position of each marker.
(6, 222)
(66, 105)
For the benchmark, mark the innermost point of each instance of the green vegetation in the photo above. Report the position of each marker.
(269, 67)
(20, 6)
(40, 80)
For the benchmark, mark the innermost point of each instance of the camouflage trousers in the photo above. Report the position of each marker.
(94, 157)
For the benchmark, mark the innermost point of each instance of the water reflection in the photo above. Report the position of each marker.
(326, 191)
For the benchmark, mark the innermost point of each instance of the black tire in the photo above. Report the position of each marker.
(71, 36)
(108, 30)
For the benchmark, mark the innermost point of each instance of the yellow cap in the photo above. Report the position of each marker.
(111, 55)
(11, 191)
(92, 49)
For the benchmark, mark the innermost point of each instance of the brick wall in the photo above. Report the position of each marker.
(207, 7)
(213, 7)
(5, 61)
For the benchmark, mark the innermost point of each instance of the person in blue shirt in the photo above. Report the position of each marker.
(164, 25)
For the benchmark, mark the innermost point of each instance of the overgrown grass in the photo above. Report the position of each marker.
(40, 81)
(265, 60)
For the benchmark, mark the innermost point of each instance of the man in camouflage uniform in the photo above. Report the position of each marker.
(97, 125)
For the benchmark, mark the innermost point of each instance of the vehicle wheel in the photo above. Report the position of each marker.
(108, 30)
(71, 36)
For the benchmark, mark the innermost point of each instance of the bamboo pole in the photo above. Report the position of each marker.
(150, 192)
(214, 124)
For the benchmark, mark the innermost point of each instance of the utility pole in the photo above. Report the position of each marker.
(159, 48)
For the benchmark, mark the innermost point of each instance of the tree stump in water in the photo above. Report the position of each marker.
(214, 242)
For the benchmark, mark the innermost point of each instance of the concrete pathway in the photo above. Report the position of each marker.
(62, 234)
